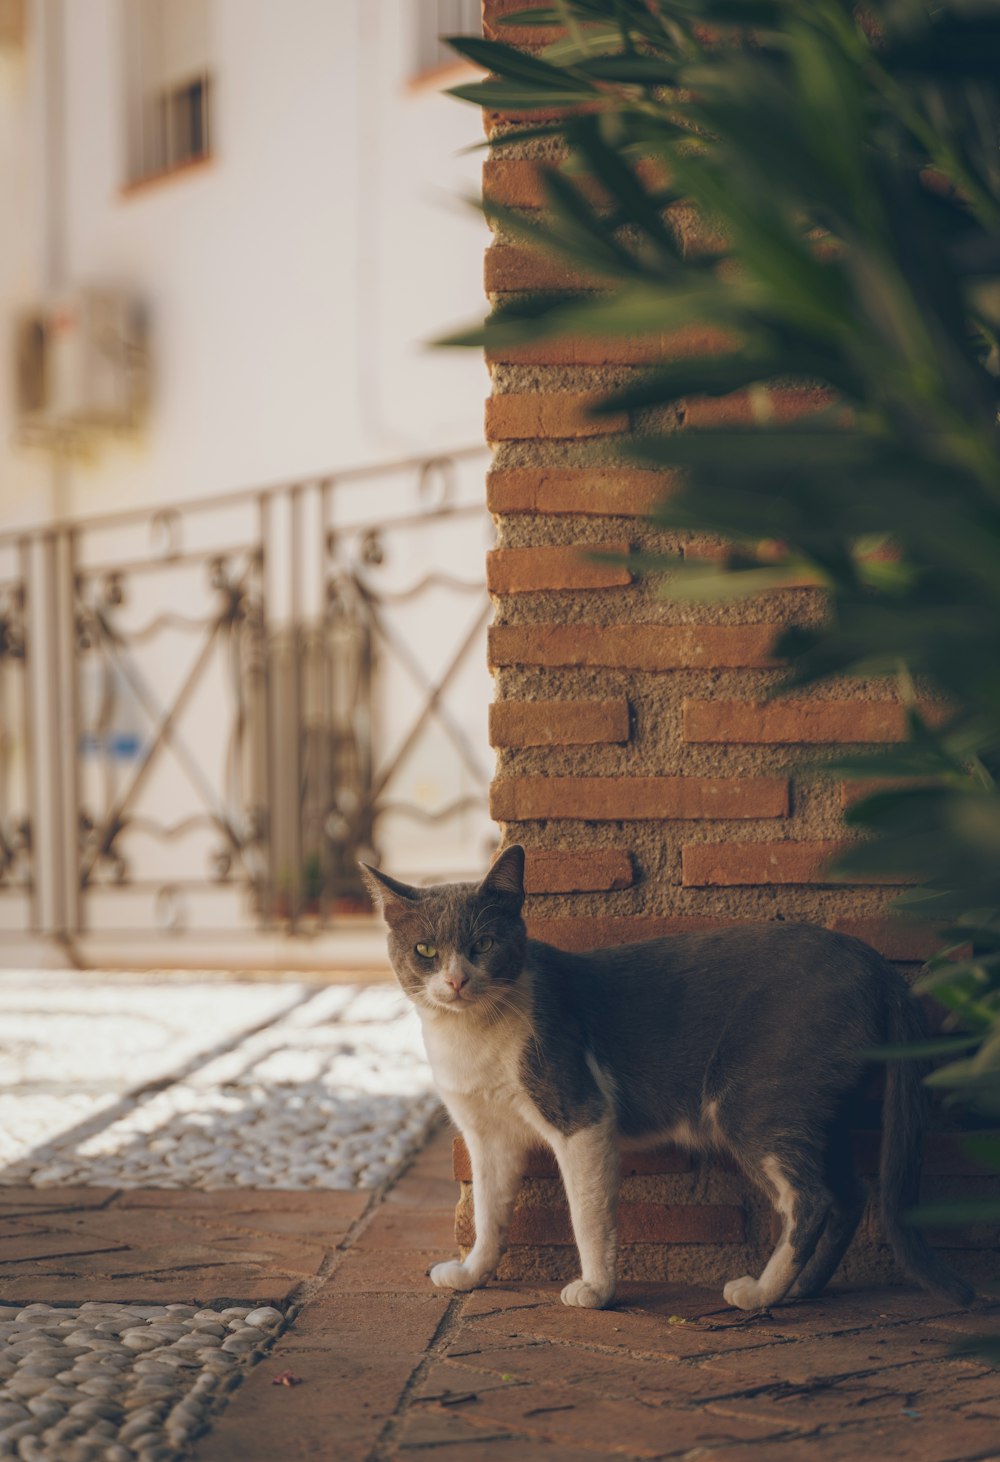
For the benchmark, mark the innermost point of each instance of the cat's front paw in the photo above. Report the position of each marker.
(743, 1293)
(453, 1275)
(587, 1296)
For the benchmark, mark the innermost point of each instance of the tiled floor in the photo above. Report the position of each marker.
(373, 1363)
(396, 1370)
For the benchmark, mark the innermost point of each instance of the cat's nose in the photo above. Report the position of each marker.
(456, 979)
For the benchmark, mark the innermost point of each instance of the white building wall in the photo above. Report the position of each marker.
(291, 281)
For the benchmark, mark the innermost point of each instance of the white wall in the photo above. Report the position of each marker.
(290, 282)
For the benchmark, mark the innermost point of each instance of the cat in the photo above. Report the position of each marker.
(745, 1041)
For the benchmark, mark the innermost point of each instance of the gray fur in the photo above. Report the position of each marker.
(749, 1041)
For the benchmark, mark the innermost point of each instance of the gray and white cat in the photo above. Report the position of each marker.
(748, 1042)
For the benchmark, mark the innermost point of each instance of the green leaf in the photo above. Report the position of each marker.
(514, 65)
(513, 96)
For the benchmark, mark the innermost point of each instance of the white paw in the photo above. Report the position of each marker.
(453, 1275)
(743, 1293)
(588, 1296)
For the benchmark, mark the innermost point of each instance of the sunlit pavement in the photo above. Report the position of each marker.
(214, 1243)
(176, 1082)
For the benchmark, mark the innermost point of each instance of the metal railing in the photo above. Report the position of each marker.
(210, 710)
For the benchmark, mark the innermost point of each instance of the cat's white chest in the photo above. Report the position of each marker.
(473, 1063)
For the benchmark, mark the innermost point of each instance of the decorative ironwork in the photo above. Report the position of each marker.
(16, 870)
(245, 694)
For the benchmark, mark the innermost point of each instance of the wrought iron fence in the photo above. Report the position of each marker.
(209, 711)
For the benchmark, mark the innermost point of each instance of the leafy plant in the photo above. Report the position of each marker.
(846, 167)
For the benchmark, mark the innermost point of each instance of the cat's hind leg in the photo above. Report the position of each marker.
(805, 1205)
(849, 1198)
(497, 1166)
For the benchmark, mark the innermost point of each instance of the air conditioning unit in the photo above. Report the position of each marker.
(12, 24)
(81, 364)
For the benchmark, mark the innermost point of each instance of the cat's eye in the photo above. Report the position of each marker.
(482, 945)
(427, 951)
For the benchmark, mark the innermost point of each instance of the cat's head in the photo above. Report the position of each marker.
(455, 946)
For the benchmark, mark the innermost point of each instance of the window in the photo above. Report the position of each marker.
(168, 80)
(436, 18)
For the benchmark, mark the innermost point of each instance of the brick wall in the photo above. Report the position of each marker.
(638, 760)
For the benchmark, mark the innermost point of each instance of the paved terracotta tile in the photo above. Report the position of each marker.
(436, 1156)
(801, 1361)
(14, 1201)
(223, 1284)
(955, 1328)
(393, 1271)
(418, 1191)
(655, 1381)
(653, 1329)
(379, 1322)
(911, 1439)
(495, 1299)
(569, 1415)
(338, 1411)
(334, 1207)
(429, 1432)
(880, 1396)
(29, 1245)
(853, 1309)
(406, 1228)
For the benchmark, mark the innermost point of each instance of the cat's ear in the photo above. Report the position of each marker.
(506, 877)
(389, 895)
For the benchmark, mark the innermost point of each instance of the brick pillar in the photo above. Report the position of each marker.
(636, 761)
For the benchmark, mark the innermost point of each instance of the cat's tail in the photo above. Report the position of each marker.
(904, 1126)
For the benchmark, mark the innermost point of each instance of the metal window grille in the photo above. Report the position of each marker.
(437, 18)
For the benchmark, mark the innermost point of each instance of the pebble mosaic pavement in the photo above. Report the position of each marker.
(118, 1086)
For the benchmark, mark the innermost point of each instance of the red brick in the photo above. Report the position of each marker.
(638, 1223)
(592, 870)
(790, 722)
(540, 1163)
(894, 938)
(634, 646)
(516, 181)
(527, 415)
(731, 864)
(610, 799)
(517, 35)
(556, 567)
(753, 408)
(558, 723)
(494, 117)
(909, 943)
(615, 492)
(510, 268)
(635, 350)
